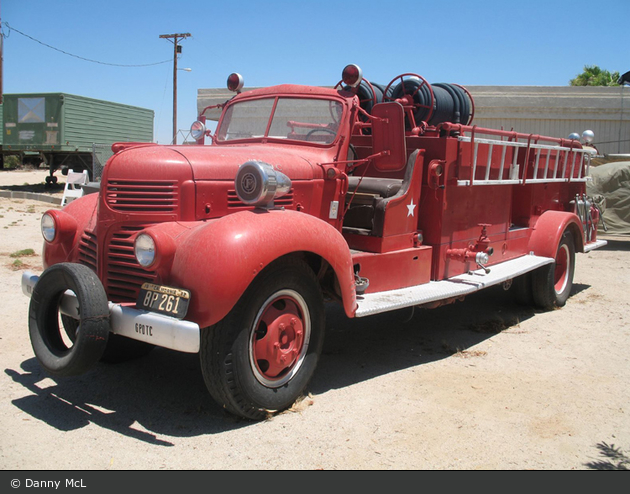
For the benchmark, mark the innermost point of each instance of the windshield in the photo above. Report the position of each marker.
(312, 120)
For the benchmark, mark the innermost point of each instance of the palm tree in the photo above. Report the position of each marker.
(595, 76)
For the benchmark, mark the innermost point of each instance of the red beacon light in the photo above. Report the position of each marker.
(352, 75)
(235, 82)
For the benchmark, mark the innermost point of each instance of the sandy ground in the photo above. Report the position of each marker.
(484, 384)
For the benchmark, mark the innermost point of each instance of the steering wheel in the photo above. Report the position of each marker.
(323, 129)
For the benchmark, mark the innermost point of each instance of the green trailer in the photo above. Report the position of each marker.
(61, 130)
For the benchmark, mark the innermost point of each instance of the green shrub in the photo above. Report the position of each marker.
(12, 161)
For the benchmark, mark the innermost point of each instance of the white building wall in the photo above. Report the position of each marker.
(558, 111)
(555, 111)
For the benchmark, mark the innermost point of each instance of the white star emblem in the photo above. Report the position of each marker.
(410, 208)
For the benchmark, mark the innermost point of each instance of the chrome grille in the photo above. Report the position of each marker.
(124, 275)
(156, 196)
(235, 203)
(87, 250)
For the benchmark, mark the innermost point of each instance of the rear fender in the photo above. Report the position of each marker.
(218, 260)
(548, 232)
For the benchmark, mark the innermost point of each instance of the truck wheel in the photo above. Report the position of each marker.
(67, 356)
(522, 290)
(118, 349)
(261, 356)
(552, 284)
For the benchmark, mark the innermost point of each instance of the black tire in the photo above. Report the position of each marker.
(119, 348)
(70, 326)
(55, 355)
(552, 284)
(522, 290)
(242, 356)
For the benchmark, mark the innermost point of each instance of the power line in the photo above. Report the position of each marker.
(79, 57)
(612, 142)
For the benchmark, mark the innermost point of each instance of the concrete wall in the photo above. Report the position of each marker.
(548, 110)
(557, 111)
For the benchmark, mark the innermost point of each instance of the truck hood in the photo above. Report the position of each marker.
(222, 162)
(147, 162)
(215, 163)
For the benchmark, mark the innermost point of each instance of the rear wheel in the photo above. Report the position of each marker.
(261, 356)
(522, 290)
(552, 284)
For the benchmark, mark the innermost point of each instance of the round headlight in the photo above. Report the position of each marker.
(49, 228)
(197, 130)
(145, 249)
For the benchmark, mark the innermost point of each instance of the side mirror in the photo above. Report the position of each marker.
(388, 136)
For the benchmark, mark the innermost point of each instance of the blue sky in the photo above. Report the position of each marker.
(539, 43)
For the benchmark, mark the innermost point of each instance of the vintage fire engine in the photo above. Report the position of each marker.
(376, 197)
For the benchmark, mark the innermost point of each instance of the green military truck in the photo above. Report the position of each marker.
(61, 129)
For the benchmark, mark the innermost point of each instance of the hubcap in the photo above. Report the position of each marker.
(562, 269)
(280, 338)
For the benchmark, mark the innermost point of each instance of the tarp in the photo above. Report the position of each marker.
(610, 188)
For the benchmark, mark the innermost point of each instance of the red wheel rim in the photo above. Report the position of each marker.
(279, 338)
(561, 276)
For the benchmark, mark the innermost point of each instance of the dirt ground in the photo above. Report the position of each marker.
(483, 384)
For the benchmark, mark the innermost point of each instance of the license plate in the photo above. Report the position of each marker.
(163, 299)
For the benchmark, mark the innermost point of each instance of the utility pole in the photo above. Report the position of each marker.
(175, 38)
(1, 65)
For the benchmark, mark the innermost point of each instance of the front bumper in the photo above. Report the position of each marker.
(156, 329)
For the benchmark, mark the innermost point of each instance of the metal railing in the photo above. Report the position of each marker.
(525, 158)
(557, 160)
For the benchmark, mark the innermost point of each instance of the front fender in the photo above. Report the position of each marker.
(548, 231)
(79, 215)
(219, 260)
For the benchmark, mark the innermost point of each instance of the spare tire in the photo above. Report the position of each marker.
(119, 348)
(56, 354)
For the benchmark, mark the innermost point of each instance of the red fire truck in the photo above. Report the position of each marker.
(376, 197)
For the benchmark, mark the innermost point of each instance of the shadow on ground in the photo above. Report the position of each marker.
(359, 349)
(36, 188)
(617, 245)
(614, 458)
(163, 394)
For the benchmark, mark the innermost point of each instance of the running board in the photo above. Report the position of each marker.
(594, 245)
(465, 284)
